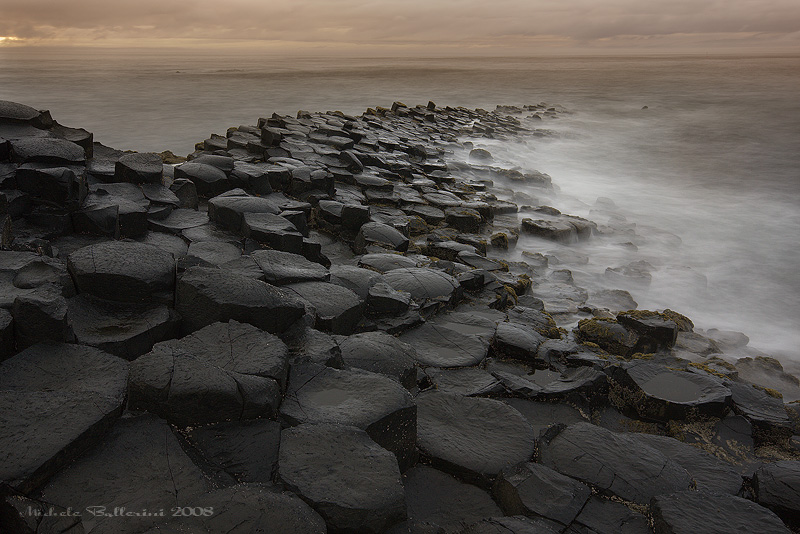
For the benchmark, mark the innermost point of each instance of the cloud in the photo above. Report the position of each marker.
(443, 23)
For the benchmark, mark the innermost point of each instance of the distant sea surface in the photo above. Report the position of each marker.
(709, 172)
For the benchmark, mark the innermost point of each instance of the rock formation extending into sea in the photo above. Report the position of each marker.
(308, 327)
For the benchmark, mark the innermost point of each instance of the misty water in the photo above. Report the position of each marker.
(706, 179)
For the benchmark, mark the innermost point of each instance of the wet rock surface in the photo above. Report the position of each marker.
(430, 324)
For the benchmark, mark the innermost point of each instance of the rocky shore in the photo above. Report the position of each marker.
(311, 325)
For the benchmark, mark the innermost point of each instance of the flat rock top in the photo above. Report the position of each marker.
(139, 465)
(15, 111)
(603, 458)
(423, 284)
(47, 150)
(286, 268)
(350, 480)
(330, 300)
(475, 435)
(690, 512)
(353, 397)
(66, 368)
(228, 288)
(677, 387)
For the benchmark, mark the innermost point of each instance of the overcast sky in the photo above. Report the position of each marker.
(410, 26)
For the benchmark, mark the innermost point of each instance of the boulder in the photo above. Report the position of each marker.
(603, 516)
(46, 150)
(516, 341)
(41, 315)
(385, 262)
(777, 486)
(207, 295)
(225, 371)
(383, 300)
(210, 254)
(208, 180)
(603, 459)
(369, 401)
(349, 480)
(105, 270)
(440, 346)
(6, 334)
(274, 231)
(57, 400)
(470, 437)
(425, 285)
(660, 330)
(139, 168)
(178, 221)
(229, 208)
(383, 235)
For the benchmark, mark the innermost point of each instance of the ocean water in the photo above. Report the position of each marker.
(707, 178)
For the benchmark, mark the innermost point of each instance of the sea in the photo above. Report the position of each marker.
(697, 155)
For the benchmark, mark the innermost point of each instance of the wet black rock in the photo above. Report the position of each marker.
(602, 516)
(226, 371)
(709, 472)
(381, 353)
(246, 450)
(210, 254)
(338, 310)
(468, 381)
(764, 409)
(609, 335)
(47, 150)
(348, 479)
(777, 486)
(516, 341)
(281, 268)
(139, 168)
(425, 285)
(661, 393)
(473, 438)
(6, 334)
(207, 295)
(105, 270)
(688, 512)
(660, 329)
(274, 231)
(383, 300)
(57, 400)
(369, 401)
(208, 179)
(178, 221)
(41, 315)
(127, 330)
(251, 508)
(536, 490)
(440, 346)
(229, 209)
(602, 458)
(139, 466)
(443, 502)
(382, 235)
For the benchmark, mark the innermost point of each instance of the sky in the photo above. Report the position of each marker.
(430, 27)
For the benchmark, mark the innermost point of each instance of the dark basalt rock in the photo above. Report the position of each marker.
(249, 508)
(559, 228)
(127, 330)
(544, 414)
(105, 270)
(47, 150)
(139, 168)
(777, 486)
(210, 254)
(374, 233)
(273, 231)
(226, 371)
(208, 179)
(764, 411)
(660, 393)
(468, 381)
(356, 279)
(229, 209)
(207, 295)
(578, 384)
(6, 334)
(516, 341)
(384, 263)
(657, 327)
(246, 450)
(372, 402)
(601, 516)
(12, 112)
(353, 483)
(536, 490)
(139, 466)
(338, 310)
(464, 219)
(281, 268)
(56, 401)
(471, 437)
(186, 192)
(312, 346)
(381, 353)
(709, 472)
(425, 285)
(440, 346)
(513, 525)
(178, 221)
(21, 515)
(383, 300)
(688, 512)
(603, 459)
(609, 335)
(538, 320)
(41, 315)
(443, 502)
(111, 215)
